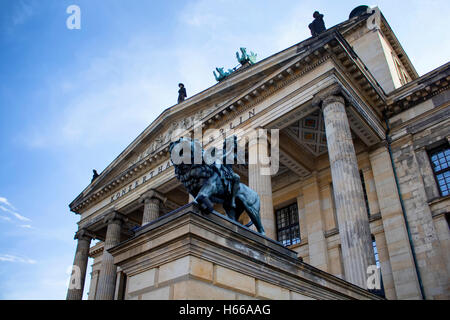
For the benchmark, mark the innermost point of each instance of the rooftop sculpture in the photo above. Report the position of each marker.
(243, 59)
(181, 93)
(318, 25)
(95, 175)
(246, 58)
(222, 74)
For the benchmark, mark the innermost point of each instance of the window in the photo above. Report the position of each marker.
(440, 162)
(380, 291)
(375, 251)
(366, 199)
(288, 228)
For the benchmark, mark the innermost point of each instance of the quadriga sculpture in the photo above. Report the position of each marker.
(215, 183)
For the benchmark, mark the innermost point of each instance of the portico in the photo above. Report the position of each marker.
(331, 201)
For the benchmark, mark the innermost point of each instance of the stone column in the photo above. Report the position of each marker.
(93, 286)
(317, 244)
(107, 279)
(76, 286)
(152, 200)
(352, 217)
(262, 184)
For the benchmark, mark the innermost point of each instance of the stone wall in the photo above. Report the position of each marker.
(419, 191)
(186, 255)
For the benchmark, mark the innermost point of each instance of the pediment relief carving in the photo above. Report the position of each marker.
(161, 139)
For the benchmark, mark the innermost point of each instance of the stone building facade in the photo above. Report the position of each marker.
(363, 180)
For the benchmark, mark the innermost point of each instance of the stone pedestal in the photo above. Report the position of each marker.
(186, 255)
(351, 212)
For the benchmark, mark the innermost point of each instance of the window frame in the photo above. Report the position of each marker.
(435, 151)
(290, 227)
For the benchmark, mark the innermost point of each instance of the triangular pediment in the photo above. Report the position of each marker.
(203, 105)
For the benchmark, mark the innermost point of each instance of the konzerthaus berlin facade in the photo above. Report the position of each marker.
(363, 180)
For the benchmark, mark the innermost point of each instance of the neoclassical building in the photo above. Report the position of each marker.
(363, 180)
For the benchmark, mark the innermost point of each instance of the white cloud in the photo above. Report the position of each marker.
(20, 217)
(6, 202)
(22, 12)
(8, 207)
(16, 259)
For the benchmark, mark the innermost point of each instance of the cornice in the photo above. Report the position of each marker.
(420, 90)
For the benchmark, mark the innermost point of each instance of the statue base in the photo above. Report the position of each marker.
(187, 255)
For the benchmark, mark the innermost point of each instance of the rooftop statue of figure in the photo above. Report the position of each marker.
(95, 175)
(181, 93)
(318, 25)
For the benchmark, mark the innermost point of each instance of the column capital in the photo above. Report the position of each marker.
(84, 234)
(152, 194)
(333, 93)
(114, 216)
(332, 99)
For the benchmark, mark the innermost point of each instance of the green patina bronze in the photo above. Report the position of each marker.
(215, 182)
(222, 74)
(245, 57)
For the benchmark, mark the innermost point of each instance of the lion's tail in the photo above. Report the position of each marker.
(248, 225)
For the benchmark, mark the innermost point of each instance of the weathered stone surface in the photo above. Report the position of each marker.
(80, 262)
(141, 281)
(157, 294)
(262, 184)
(430, 259)
(269, 291)
(318, 256)
(107, 279)
(197, 290)
(186, 266)
(152, 201)
(352, 216)
(298, 296)
(237, 257)
(234, 280)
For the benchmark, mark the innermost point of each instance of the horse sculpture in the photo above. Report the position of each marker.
(213, 183)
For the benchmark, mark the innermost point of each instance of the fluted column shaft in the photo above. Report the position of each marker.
(262, 184)
(152, 201)
(78, 277)
(352, 217)
(151, 210)
(107, 279)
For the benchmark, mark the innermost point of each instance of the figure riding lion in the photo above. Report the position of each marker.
(215, 182)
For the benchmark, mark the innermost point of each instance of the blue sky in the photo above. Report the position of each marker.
(72, 100)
